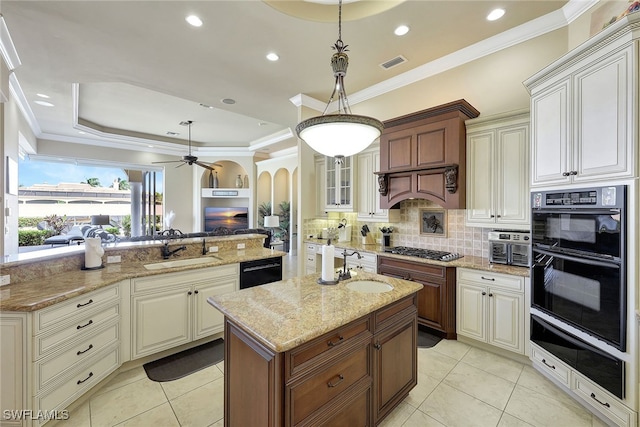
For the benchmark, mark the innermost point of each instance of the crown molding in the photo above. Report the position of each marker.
(23, 104)
(269, 140)
(7, 48)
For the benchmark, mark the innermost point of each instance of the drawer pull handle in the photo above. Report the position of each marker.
(85, 325)
(593, 396)
(492, 279)
(84, 351)
(81, 381)
(340, 379)
(331, 343)
(545, 362)
(85, 304)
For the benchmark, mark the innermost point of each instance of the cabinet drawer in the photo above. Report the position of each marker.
(352, 410)
(152, 283)
(549, 364)
(48, 369)
(93, 371)
(504, 281)
(311, 248)
(393, 313)
(61, 312)
(45, 343)
(410, 270)
(320, 388)
(602, 401)
(311, 259)
(309, 355)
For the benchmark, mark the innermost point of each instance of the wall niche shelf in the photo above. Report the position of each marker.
(226, 193)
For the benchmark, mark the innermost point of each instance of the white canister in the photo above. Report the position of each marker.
(93, 252)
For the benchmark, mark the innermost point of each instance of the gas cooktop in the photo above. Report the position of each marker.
(423, 253)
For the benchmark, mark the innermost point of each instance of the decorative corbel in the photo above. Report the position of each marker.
(382, 184)
(451, 178)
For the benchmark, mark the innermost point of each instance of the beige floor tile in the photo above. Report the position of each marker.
(482, 385)
(511, 421)
(78, 417)
(122, 403)
(183, 385)
(454, 408)
(543, 410)
(202, 406)
(426, 384)
(221, 366)
(124, 378)
(420, 419)
(534, 380)
(597, 422)
(434, 364)
(494, 364)
(398, 416)
(452, 348)
(160, 416)
(219, 423)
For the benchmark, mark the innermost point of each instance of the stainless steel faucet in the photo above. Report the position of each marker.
(166, 253)
(346, 274)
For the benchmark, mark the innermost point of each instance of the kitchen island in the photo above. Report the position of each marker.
(299, 353)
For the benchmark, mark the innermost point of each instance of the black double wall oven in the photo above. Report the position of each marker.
(578, 279)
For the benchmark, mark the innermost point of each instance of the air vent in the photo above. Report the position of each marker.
(394, 62)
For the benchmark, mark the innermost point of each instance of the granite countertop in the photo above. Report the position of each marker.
(285, 314)
(40, 293)
(467, 261)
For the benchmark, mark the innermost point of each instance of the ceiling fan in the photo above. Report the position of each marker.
(190, 159)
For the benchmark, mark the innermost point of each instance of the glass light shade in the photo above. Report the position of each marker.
(337, 135)
(272, 221)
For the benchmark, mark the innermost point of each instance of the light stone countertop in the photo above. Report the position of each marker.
(467, 261)
(288, 313)
(39, 293)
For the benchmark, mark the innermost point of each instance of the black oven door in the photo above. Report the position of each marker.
(587, 293)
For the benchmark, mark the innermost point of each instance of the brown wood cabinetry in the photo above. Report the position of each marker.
(352, 376)
(437, 298)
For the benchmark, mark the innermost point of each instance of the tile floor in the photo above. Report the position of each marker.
(458, 385)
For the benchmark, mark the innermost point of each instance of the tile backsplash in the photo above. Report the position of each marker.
(470, 241)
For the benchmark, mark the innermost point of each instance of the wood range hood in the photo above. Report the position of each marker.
(423, 156)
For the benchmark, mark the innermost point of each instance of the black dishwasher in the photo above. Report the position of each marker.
(259, 272)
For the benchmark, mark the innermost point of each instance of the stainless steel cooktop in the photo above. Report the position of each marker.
(424, 253)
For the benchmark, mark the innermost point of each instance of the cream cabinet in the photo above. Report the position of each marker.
(170, 310)
(339, 185)
(14, 387)
(368, 262)
(498, 171)
(321, 183)
(583, 112)
(310, 251)
(491, 309)
(368, 197)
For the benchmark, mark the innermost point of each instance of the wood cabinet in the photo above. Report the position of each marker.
(583, 125)
(491, 308)
(339, 185)
(171, 309)
(437, 298)
(498, 172)
(354, 375)
(369, 208)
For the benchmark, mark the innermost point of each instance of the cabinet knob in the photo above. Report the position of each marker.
(573, 173)
(492, 216)
(189, 293)
(498, 216)
(195, 292)
(565, 173)
(483, 293)
(490, 295)
(377, 346)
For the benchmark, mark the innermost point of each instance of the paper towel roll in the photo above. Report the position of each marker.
(328, 253)
(93, 252)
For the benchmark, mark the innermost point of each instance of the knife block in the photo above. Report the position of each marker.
(368, 240)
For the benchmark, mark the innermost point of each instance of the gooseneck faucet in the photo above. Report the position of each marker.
(166, 253)
(345, 274)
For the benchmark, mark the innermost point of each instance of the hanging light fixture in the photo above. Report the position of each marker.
(341, 134)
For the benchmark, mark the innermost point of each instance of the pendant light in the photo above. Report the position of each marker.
(341, 134)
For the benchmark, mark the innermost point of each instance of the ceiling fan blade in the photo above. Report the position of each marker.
(204, 165)
(179, 166)
(167, 161)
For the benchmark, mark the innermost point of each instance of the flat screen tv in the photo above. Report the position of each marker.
(231, 218)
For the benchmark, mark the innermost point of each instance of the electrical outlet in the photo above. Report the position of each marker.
(213, 249)
(5, 279)
(241, 245)
(114, 258)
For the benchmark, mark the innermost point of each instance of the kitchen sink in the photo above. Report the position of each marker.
(369, 286)
(179, 263)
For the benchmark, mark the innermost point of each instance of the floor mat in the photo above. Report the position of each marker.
(426, 340)
(186, 362)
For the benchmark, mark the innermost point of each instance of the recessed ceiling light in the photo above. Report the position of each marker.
(82, 132)
(42, 95)
(262, 124)
(495, 14)
(150, 146)
(272, 56)
(228, 101)
(401, 30)
(170, 133)
(194, 20)
(44, 103)
(205, 106)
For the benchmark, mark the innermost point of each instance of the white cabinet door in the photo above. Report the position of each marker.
(161, 320)
(550, 157)
(321, 187)
(339, 185)
(209, 320)
(512, 176)
(365, 192)
(506, 319)
(602, 124)
(480, 202)
(13, 364)
(471, 311)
